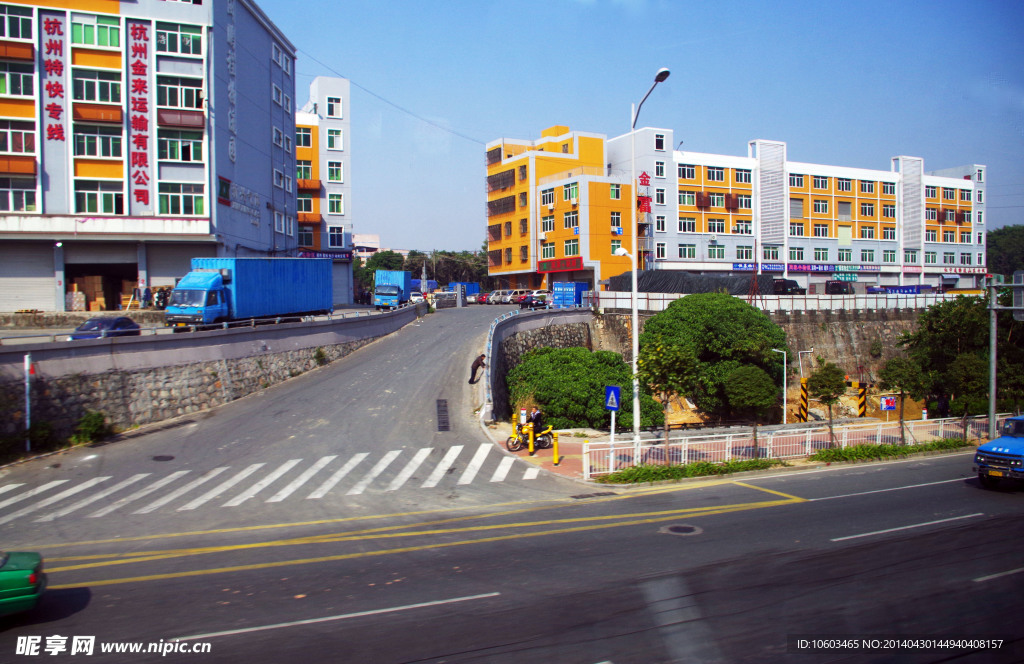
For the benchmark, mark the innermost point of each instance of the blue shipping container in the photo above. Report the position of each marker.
(264, 287)
(568, 293)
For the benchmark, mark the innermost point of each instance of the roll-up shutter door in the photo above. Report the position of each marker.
(341, 274)
(81, 252)
(26, 277)
(165, 263)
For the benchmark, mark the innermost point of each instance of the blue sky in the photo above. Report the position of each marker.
(846, 83)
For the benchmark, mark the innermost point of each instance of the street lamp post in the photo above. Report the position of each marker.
(634, 113)
(784, 366)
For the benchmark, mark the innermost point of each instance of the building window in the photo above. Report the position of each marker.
(17, 194)
(796, 253)
(334, 109)
(931, 192)
(616, 219)
(820, 230)
(821, 254)
(821, 207)
(547, 224)
(335, 139)
(889, 211)
(867, 232)
(948, 194)
(889, 256)
(931, 236)
(742, 227)
(615, 246)
(303, 169)
(965, 195)
(305, 236)
(867, 255)
(660, 251)
(844, 184)
(888, 232)
(965, 238)
(867, 209)
(93, 141)
(615, 192)
(981, 239)
(687, 251)
(547, 250)
(948, 258)
(889, 188)
(570, 191)
(949, 236)
(278, 179)
(15, 22)
(571, 219)
(770, 253)
(94, 196)
(659, 223)
(687, 171)
(930, 257)
(303, 137)
(95, 30)
(716, 225)
(796, 229)
(965, 259)
(276, 94)
(173, 92)
(967, 216)
(98, 86)
(547, 197)
(181, 199)
(820, 182)
(687, 225)
(867, 187)
(277, 136)
(796, 208)
(175, 38)
(742, 176)
(524, 254)
(716, 174)
(845, 256)
(304, 202)
(335, 171)
(335, 203)
(687, 198)
(744, 253)
(980, 220)
(950, 215)
(717, 200)
(743, 202)
(17, 137)
(716, 252)
(844, 210)
(659, 169)
(931, 214)
(508, 255)
(796, 180)
(523, 225)
(659, 141)
(659, 197)
(175, 145)
(910, 255)
(336, 236)
(572, 247)
(278, 222)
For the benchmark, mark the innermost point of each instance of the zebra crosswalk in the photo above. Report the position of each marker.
(228, 487)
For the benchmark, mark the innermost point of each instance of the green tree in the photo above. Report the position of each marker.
(567, 384)
(903, 375)
(385, 260)
(751, 391)
(1005, 250)
(667, 369)
(827, 384)
(723, 333)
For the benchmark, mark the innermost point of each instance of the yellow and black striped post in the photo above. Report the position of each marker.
(802, 415)
(862, 399)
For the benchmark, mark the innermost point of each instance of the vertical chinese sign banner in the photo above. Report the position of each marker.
(142, 194)
(643, 208)
(53, 50)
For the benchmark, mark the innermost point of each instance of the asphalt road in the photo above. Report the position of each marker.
(513, 570)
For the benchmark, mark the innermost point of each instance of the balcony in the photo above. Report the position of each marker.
(307, 185)
(501, 206)
(175, 117)
(310, 217)
(17, 165)
(12, 50)
(96, 112)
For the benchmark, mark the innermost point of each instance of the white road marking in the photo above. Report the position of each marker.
(221, 488)
(337, 476)
(301, 479)
(180, 491)
(895, 488)
(531, 473)
(30, 493)
(980, 579)
(139, 494)
(53, 499)
(262, 484)
(377, 469)
(473, 468)
(9, 487)
(442, 467)
(93, 498)
(916, 525)
(345, 616)
(502, 470)
(410, 468)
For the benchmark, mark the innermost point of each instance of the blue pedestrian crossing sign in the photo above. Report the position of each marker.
(612, 397)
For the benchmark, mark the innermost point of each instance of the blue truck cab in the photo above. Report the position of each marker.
(1002, 458)
(199, 298)
(392, 288)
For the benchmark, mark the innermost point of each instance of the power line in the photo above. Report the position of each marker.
(391, 103)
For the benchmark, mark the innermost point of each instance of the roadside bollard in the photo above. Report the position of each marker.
(531, 440)
(554, 436)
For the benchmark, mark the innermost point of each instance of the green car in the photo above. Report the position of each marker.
(22, 581)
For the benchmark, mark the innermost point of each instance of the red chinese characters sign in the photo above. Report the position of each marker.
(560, 264)
(138, 109)
(53, 78)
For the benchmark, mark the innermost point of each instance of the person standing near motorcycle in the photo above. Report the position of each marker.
(537, 420)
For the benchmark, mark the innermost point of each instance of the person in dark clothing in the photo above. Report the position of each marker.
(537, 420)
(478, 364)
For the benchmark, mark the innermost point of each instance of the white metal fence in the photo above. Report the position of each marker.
(602, 458)
(659, 301)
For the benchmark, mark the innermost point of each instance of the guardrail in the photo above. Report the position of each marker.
(602, 458)
(659, 301)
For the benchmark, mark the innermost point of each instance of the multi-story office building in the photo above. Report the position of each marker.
(323, 174)
(135, 135)
(722, 214)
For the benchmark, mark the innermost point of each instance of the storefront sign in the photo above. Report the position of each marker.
(773, 267)
(239, 198)
(138, 109)
(803, 267)
(964, 270)
(53, 68)
(744, 267)
(844, 276)
(337, 255)
(560, 264)
(912, 269)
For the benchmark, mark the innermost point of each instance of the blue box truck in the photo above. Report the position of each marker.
(472, 287)
(391, 288)
(221, 290)
(1003, 457)
(567, 294)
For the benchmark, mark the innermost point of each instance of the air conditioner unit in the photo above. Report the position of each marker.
(551, 206)
(573, 201)
(544, 235)
(714, 239)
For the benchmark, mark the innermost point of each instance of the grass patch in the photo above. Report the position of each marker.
(880, 452)
(656, 473)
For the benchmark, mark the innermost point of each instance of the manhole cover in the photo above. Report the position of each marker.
(163, 457)
(681, 530)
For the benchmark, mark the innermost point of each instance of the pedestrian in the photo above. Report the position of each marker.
(537, 420)
(478, 364)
